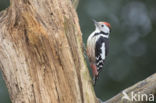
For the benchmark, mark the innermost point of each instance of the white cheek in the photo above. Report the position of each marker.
(105, 29)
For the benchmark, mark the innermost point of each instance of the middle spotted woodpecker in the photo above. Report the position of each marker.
(97, 47)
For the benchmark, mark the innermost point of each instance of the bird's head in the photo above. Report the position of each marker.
(103, 26)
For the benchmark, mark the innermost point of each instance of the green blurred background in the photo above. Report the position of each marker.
(132, 55)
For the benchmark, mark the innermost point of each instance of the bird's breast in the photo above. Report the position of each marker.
(91, 43)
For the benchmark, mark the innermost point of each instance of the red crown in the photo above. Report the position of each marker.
(106, 23)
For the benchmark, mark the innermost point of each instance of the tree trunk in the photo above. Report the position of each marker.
(41, 53)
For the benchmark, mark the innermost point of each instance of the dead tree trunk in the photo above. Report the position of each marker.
(41, 53)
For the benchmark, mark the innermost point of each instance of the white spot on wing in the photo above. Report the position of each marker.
(103, 51)
(100, 66)
(99, 62)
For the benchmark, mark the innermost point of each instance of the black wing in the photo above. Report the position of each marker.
(101, 51)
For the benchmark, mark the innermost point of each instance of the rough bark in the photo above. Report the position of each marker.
(147, 86)
(41, 53)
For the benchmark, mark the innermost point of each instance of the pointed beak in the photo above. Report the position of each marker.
(96, 23)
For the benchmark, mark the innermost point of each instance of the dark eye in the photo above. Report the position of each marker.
(102, 25)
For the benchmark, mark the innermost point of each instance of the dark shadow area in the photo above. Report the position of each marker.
(4, 96)
(4, 4)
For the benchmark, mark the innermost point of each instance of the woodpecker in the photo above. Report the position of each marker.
(97, 47)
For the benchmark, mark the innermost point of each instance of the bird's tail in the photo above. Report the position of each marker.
(95, 79)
